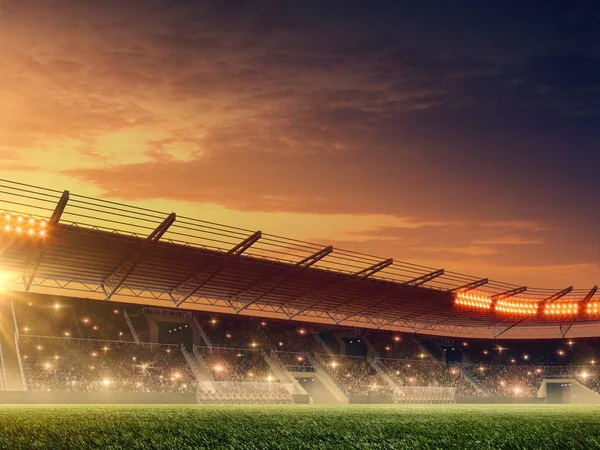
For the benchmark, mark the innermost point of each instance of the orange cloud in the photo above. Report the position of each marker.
(451, 159)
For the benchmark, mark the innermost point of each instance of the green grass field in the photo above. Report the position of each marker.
(300, 426)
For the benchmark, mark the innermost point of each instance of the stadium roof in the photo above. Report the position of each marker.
(100, 249)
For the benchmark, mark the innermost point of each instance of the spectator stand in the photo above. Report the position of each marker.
(330, 382)
(88, 365)
(236, 364)
(204, 372)
(355, 374)
(225, 392)
(424, 395)
(375, 361)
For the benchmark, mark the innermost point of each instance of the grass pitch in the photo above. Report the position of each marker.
(300, 427)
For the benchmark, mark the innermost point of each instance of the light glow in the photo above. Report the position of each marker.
(473, 301)
(593, 308)
(517, 307)
(35, 227)
(561, 309)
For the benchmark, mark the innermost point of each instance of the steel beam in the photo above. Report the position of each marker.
(425, 327)
(361, 274)
(194, 283)
(588, 297)
(115, 280)
(297, 269)
(425, 278)
(507, 294)
(32, 266)
(501, 296)
(470, 286)
(556, 296)
(565, 327)
(543, 302)
(369, 271)
(511, 326)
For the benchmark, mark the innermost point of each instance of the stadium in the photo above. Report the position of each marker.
(104, 303)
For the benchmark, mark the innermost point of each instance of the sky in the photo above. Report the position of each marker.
(462, 135)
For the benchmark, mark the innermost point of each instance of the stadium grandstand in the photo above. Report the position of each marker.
(104, 302)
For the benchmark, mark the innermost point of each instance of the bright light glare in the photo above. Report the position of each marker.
(4, 280)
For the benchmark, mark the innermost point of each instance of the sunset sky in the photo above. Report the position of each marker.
(462, 135)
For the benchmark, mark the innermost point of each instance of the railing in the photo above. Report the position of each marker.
(425, 394)
(277, 370)
(244, 392)
(306, 369)
(21, 370)
(318, 363)
(381, 370)
(3, 380)
(163, 312)
(28, 337)
(203, 366)
(131, 327)
(14, 316)
(190, 362)
(470, 378)
(274, 359)
(261, 331)
(323, 344)
(238, 349)
(277, 360)
(558, 376)
(370, 349)
(203, 334)
(79, 333)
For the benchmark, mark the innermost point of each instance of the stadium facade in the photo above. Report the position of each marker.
(105, 303)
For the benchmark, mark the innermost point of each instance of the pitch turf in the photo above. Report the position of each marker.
(300, 427)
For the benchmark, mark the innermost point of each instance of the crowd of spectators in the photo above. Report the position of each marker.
(394, 345)
(295, 361)
(68, 364)
(288, 337)
(427, 373)
(563, 352)
(92, 349)
(355, 374)
(236, 365)
(513, 380)
(65, 317)
(231, 331)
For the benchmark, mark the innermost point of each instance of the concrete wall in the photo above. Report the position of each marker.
(579, 393)
(315, 388)
(95, 398)
(301, 399)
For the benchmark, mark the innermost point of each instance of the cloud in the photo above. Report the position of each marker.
(475, 250)
(509, 240)
(326, 109)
